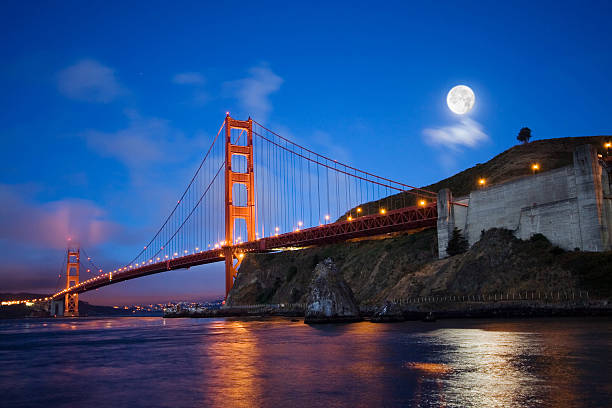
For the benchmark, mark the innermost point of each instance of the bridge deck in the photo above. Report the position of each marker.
(403, 219)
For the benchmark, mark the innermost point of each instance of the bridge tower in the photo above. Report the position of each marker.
(71, 302)
(233, 212)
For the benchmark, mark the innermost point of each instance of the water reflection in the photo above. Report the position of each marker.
(232, 353)
(276, 362)
(487, 368)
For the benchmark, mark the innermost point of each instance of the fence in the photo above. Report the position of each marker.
(499, 296)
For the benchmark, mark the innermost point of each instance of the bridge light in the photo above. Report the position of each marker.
(535, 167)
(166, 256)
(240, 255)
(349, 218)
(608, 145)
(326, 217)
(482, 182)
(300, 223)
(186, 251)
(422, 203)
(358, 209)
(176, 253)
(383, 211)
(276, 229)
(197, 248)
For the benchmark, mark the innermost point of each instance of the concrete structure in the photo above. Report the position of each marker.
(56, 307)
(571, 206)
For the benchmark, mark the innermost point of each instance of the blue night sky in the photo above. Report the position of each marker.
(106, 110)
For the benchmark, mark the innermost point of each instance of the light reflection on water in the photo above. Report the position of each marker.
(236, 363)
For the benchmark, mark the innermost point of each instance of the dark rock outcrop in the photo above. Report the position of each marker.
(330, 298)
(389, 312)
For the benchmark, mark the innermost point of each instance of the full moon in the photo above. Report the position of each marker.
(460, 99)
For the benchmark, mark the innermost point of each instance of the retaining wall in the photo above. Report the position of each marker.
(571, 206)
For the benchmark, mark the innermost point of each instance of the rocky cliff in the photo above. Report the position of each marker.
(406, 266)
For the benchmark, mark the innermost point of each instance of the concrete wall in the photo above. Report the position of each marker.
(567, 205)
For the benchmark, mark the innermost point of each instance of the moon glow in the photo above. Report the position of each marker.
(460, 99)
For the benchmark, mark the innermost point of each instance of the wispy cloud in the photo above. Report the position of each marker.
(466, 133)
(159, 160)
(144, 142)
(334, 150)
(189, 78)
(253, 92)
(52, 224)
(89, 81)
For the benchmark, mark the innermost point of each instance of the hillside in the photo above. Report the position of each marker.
(406, 265)
(513, 163)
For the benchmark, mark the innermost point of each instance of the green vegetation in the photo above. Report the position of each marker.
(593, 270)
(457, 244)
(524, 135)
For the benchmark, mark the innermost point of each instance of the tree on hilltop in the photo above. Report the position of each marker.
(524, 135)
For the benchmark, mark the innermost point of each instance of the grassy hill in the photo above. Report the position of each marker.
(513, 163)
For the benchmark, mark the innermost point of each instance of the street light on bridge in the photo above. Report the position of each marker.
(535, 167)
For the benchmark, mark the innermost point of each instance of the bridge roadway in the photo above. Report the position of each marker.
(403, 219)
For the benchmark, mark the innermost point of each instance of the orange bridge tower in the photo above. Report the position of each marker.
(71, 302)
(233, 212)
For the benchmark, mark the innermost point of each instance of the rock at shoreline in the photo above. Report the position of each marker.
(389, 312)
(330, 299)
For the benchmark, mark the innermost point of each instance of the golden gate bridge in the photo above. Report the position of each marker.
(257, 191)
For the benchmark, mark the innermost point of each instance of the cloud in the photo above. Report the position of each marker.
(188, 78)
(253, 92)
(466, 133)
(159, 159)
(333, 150)
(52, 224)
(145, 142)
(89, 81)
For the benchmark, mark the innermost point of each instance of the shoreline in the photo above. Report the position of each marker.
(398, 312)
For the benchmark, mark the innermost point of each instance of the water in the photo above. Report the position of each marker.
(152, 362)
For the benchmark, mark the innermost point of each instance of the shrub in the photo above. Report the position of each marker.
(457, 244)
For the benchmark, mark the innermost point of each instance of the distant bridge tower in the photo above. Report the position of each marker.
(233, 212)
(71, 303)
